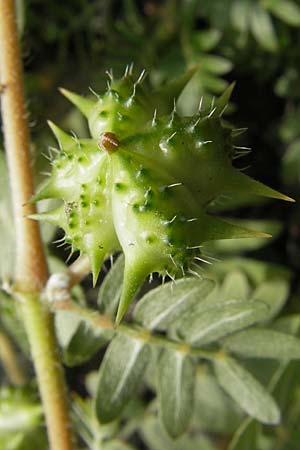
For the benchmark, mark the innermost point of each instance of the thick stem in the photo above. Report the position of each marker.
(30, 269)
(39, 327)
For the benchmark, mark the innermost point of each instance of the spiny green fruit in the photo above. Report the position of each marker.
(142, 182)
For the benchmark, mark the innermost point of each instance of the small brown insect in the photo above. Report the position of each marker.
(108, 142)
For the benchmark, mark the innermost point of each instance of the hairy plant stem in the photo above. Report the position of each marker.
(9, 361)
(39, 325)
(96, 320)
(30, 269)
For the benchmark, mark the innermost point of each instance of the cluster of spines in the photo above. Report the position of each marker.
(179, 253)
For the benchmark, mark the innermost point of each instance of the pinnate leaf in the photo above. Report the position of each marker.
(176, 382)
(273, 293)
(263, 343)
(221, 320)
(162, 306)
(235, 286)
(262, 28)
(246, 391)
(79, 341)
(286, 10)
(120, 373)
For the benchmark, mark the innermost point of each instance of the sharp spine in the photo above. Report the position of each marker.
(211, 113)
(202, 260)
(142, 76)
(94, 92)
(154, 121)
(200, 104)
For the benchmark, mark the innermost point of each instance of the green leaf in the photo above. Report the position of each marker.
(165, 94)
(220, 320)
(206, 40)
(110, 290)
(215, 64)
(211, 82)
(262, 28)
(176, 382)
(157, 439)
(286, 10)
(160, 307)
(120, 374)
(214, 410)
(77, 338)
(235, 286)
(288, 324)
(246, 391)
(240, 12)
(273, 293)
(263, 343)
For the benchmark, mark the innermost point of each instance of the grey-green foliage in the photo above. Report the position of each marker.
(120, 374)
(160, 307)
(157, 439)
(257, 19)
(222, 319)
(273, 293)
(79, 341)
(246, 390)
(262, 28)
(263, 343)
(214, 410)
(286, 10)
(181, 321)
(235, 286)
(176, 385)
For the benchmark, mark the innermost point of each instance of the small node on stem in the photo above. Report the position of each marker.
(58, 288)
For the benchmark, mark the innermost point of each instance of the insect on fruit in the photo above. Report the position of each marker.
(109, 142)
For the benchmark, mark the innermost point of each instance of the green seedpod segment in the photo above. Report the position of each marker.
(142, 182)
